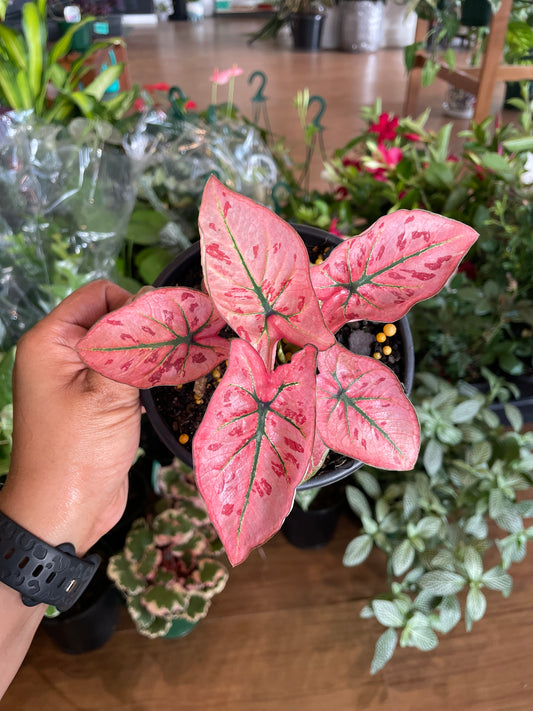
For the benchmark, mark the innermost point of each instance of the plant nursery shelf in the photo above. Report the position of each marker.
(479, 81)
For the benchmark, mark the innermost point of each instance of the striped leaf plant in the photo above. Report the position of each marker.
(33, 78)
(269, 426)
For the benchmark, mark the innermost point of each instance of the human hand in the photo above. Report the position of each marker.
(75, 432)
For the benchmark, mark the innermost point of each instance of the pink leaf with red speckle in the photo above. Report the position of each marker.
(401, 259)
(165, 337)
(254, 444)
(256, 269)
(362, 411)
(318, 457)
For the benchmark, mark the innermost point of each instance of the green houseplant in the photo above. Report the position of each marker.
(451, 528)
(484, 316)
(168, 569)
(268, 425)
(32, 76)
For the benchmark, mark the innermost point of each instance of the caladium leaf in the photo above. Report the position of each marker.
(256, 269)
(254, 444)
(318, 456)
(401, 259)
(362, 411)
(165, 337)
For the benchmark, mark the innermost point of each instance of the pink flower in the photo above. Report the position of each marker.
(385, 127)
(391, 156)
(139, 104)
(412, 137)
(452, 159)
(162, 86)
(223, 77)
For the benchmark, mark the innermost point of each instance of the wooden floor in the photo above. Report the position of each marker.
(185, 54)
(285, 635)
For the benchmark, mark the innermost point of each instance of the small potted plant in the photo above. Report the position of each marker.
(305, 17)
(168, 569)
(451, 528)
(269, 425)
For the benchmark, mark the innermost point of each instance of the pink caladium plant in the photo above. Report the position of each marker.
(268, 427)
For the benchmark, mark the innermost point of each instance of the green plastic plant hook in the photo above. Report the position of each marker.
(316, 99)
(258, 97)
(279, 191)
(174, 95)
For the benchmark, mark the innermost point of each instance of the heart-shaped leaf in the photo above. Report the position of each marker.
(165, 337)
(401, 259)
(254, 444)
(362, 411)
(256, 269)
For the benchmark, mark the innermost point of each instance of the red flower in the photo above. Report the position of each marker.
(333, 228)
(162, 86)
(469, 269)
(350, 161)
(139, 104)
(341, 192)
(190, 105)
(412, 137)
(385, 127)
(452, 159)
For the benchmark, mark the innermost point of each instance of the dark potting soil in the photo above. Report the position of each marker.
(183, 407)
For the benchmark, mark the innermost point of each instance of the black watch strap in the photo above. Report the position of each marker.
(42, 573)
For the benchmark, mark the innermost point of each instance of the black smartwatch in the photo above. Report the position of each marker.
(42, 573)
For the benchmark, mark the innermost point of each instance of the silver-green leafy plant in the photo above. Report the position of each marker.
(436, 523)
(167, 569)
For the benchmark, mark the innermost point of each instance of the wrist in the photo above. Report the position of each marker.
(42, 573)
(41, 516)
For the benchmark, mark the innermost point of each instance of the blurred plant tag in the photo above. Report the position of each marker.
(72, 13)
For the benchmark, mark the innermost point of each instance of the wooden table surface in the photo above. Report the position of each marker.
(284, 635)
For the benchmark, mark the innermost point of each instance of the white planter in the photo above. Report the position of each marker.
(459, 103)
(331, 30)
(209, 7)
(398, 28)
(195, 10)
(361, 25)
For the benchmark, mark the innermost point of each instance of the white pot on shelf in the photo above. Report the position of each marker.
(398, 26)
(361, 25)
(331, 30)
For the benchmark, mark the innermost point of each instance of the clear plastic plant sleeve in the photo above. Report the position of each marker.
(66, 199)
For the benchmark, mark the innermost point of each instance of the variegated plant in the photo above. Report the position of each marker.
(167, 569)
(268, 427)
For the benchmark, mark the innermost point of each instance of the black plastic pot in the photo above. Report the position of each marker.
(524, 401)
(92, 620)
(476, 13)
(315, 527)
(185, 270)
(307, 31)
(180, 11)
